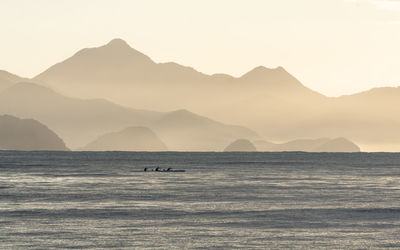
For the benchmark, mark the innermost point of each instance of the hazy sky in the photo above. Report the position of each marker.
(332, 46)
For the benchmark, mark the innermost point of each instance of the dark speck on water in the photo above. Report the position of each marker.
(223, 200)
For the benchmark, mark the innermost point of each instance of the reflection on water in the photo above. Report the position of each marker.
(227, 200)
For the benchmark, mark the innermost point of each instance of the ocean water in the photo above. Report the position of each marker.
(222, 201)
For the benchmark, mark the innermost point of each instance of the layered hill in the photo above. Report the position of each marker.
(129, 139)
(27, 134)
(182, 130)
(270, 101)
(368, 118)
(80, 121)
(7, 79)
(241, 145)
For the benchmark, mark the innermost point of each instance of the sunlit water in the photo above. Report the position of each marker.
(223, 200)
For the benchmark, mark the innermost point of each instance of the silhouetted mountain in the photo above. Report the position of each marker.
(262, 98)
(240, 145)
(338, 145)
(129, 139)
(77, 121)
(120, 73)
(7, 79)
(115, 62)
(368, 118)
(270, 101)
(81, 121)
(310, 145)
(182, 130)
(27, 134)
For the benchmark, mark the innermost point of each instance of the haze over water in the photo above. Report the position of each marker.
(223, 200)
(266, 109)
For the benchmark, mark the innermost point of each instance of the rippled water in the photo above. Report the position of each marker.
(223, 200)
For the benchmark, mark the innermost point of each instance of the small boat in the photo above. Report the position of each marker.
(174, 170)
(160, 170)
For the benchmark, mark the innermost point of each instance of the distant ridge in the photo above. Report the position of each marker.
(81, 121)
(7, 79)
(77, 121)
(183, 130)
(101, 71)
(270, 101)
(128, 139)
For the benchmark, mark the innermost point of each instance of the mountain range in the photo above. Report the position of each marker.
(80, 121)
(270, 101)
(124, 75)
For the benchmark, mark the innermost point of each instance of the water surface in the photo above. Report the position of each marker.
(223, 200)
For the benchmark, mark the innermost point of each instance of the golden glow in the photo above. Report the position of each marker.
(308, 47)
(332, 46)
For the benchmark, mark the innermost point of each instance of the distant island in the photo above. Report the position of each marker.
(27, 134)
(241, 145)
(129, 139)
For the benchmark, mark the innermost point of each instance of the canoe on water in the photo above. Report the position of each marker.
(160, 171)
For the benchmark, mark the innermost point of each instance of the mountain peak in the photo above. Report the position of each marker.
(260, 71)
(261, 68)
(277, 77)
(118, 42)
(119, 50)
(182, 112)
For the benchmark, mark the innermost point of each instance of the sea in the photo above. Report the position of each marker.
(295, 200)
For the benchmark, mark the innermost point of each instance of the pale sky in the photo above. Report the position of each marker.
(332, 46)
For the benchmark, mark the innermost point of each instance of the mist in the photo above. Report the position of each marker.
(111, 87)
